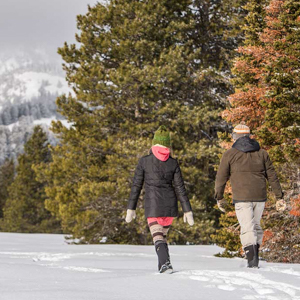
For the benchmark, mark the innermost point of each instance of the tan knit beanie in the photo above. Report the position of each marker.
(241, 129)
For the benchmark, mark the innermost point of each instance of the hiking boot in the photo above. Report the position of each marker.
(166, 268)
(162, 252)
(252, 256)
(257, 253)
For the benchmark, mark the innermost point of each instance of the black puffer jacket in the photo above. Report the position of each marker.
(163, 181)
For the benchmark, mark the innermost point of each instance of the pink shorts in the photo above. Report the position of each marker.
(163, 221)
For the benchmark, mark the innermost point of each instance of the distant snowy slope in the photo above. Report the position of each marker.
(28, 76)
(13, 61)
(8, 65)
(44, 266)
(29, 84)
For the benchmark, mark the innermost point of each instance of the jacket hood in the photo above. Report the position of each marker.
(161, 153)
(245, 144)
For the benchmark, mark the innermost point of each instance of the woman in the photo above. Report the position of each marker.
(163, 182)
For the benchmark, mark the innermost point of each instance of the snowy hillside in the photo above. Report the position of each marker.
(29, 84)
(36, 266)
(26, 76)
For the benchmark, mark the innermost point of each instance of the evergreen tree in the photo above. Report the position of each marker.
(14, 111)
(139, 65)
(252, 26)
(267, 99)
(7, 172)
(6, 117)
(24, 210)
(254, 22)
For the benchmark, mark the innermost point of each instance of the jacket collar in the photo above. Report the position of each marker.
(245, 144)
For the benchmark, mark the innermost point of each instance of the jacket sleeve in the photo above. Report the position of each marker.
(222, 177)
(180, 190)
(272, 176)
(137, 185)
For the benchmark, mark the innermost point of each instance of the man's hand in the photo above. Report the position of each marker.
(280, 205)
(130, 215)
(222, 205)
(188, 217)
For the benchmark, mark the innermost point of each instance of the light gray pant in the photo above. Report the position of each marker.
(249, 215)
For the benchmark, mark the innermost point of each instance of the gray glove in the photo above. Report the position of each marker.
(222, 205)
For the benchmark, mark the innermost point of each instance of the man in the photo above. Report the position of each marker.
(248, 167)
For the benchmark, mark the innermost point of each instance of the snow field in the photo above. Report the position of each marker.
(39, 266)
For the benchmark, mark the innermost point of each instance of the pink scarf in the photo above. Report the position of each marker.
(161, 153)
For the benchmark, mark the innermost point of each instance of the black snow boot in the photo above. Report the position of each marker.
(166, 268)
(257, 253)
(168, 251)
(252, 256)
(162, 250)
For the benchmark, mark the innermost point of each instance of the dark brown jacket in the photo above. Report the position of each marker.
(248, 167)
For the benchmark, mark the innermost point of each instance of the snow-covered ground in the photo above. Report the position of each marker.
(42, 267)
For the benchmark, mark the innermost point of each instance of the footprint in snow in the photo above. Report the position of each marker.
(262, 287)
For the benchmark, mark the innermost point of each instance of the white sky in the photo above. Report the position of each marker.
(26, 24)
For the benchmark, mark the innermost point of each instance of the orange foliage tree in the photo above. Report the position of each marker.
(267, 99)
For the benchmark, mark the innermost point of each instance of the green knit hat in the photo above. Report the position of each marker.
(162, 137)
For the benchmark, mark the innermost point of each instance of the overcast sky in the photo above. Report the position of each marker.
(39, 23)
